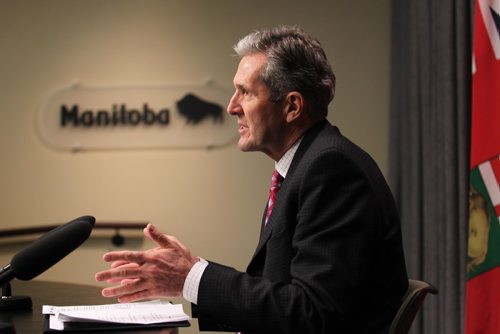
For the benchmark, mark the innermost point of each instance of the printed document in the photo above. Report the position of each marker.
(148, 312)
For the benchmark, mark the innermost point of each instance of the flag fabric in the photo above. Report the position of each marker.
(482, 309)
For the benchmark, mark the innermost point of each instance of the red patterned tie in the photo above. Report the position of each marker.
(276, 182)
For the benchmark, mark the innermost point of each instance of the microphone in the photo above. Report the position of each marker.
(47, 250)
(39, 256)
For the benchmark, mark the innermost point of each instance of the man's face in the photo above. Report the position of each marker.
(261, 122)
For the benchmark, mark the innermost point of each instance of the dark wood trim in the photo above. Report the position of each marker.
(109, 225)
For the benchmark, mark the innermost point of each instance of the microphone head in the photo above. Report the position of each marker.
(50, 248)
(88, 219)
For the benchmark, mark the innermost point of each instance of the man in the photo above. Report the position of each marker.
(330, 257)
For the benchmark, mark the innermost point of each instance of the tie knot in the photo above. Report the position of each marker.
(276, 180)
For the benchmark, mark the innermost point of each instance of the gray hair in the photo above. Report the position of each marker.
(295, 62)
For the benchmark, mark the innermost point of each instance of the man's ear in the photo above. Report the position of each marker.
(294, 106)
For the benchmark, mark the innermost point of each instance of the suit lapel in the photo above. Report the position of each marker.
(266, 231)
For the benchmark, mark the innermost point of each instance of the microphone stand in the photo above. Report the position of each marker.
(13, 303)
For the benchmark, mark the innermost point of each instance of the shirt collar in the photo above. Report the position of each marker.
(284, 163)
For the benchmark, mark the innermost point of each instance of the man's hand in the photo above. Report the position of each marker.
(157, 272)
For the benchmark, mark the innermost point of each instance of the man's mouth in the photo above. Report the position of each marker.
(242, 128)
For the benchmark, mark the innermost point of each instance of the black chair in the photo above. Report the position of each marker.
(412, 301)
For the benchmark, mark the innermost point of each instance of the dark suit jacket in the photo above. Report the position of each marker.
(330, 259)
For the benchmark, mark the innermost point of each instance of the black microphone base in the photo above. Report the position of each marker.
(15, 303)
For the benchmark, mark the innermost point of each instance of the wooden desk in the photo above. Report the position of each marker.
(59, 294)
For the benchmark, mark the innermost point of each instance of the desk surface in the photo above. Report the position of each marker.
(59, 294)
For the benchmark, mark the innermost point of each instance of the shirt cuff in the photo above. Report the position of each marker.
(192, 282)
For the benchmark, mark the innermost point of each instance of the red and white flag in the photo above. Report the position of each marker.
(482, 308)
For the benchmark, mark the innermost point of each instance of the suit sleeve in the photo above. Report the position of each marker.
(328, 234)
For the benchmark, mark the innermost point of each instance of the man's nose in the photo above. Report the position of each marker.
(233, 106)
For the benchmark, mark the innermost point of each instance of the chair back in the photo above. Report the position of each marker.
(412, 301)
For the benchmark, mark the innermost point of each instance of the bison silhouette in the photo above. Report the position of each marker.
(195, 109)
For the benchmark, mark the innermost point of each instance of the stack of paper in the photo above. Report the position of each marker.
(145, 313)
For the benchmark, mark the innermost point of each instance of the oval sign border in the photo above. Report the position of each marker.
(125, 107)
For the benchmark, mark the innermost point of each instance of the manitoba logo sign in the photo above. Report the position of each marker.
(83, 117)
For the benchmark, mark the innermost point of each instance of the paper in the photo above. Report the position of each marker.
(149, 312)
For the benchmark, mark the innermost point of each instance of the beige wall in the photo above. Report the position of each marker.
(212, 200)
